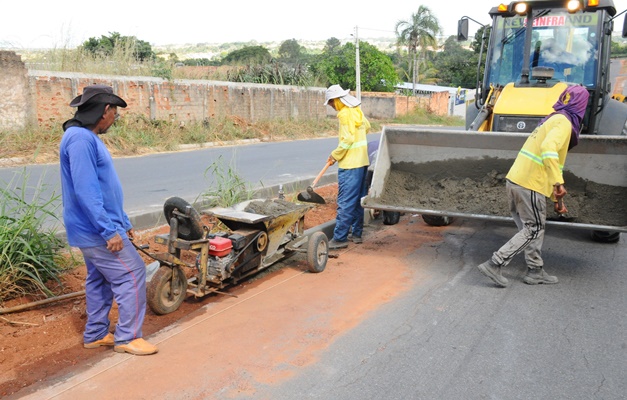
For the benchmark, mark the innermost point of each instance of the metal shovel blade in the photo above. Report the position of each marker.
(309, 196)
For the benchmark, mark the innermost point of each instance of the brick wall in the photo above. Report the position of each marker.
(43, 97)
(15, 100)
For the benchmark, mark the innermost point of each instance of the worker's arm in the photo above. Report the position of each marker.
(347, 138)
(556, 138)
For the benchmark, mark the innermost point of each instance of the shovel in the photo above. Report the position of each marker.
(309, 195)
(561, 217)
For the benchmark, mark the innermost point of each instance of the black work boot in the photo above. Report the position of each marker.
(493, 272)
(538, 275)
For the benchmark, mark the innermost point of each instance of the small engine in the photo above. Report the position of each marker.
(217, 267)
(220, 257)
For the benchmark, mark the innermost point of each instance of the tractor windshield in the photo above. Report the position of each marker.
(568, 43)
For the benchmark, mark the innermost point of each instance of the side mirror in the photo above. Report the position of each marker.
(625, 26)
(462, 30)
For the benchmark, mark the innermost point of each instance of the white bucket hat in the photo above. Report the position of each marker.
(336, 91)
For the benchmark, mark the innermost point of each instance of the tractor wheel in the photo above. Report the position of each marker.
(391, 217)
(188, 228)
(437, 220)
(164, 292)
(605, 237)
(317, 252)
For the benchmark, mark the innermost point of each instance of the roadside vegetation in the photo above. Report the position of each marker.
(30, 255)
(135, 134)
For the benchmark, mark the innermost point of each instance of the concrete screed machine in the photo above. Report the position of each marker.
(534, 50)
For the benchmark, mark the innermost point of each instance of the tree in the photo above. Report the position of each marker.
(108, 45)
(248, 55)
(291, 52)
(337, 66)
(332, 45)
(456, 66)
(418, 34)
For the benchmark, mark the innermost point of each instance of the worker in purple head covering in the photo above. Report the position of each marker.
(535, 175)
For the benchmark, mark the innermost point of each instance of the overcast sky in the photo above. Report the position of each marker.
(68, 23)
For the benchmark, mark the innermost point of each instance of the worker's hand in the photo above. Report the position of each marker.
(115, 244)
(559, 191)
(331, 160)
(131, 233)
(560, 207)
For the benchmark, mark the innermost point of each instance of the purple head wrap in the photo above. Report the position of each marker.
(571, 104)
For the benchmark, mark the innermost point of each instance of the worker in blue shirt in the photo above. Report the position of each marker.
(96, 223)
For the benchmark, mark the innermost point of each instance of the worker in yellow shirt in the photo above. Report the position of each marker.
(535, 175)
(351, 154)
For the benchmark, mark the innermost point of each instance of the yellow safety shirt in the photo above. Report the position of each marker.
(352, 150)
(540, 162)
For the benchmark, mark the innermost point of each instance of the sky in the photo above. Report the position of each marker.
(31, 24)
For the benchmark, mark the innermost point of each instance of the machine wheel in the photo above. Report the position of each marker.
(159, 294)
(189, 228)
(391, 217)
(437, 220)
(605, 237)
(317, 252)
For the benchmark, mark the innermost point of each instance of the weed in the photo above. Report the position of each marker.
(29, 254)
(227, 187)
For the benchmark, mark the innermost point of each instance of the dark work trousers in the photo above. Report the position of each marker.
(350, 213)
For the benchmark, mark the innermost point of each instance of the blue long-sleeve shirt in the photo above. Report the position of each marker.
(93, 209)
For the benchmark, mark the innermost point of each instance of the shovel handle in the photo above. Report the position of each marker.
(328, 164)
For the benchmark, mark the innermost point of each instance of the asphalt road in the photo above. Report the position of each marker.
(149, 180)
(455, 335)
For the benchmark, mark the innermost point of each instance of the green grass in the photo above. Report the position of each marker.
(30, 251)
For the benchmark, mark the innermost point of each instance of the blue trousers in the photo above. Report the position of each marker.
(120, 276)
(350, 213)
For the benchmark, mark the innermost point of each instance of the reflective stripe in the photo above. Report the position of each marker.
(531, 156)
(354, 145)
(550, 154)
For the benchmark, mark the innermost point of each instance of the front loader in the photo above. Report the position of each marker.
(535, 50)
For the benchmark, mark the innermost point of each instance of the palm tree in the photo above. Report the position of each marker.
(417, 34)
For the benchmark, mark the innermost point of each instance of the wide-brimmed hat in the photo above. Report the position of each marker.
(336, 91)
(98, 94)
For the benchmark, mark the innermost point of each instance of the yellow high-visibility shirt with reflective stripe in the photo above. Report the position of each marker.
(352, 150)
(539, 163)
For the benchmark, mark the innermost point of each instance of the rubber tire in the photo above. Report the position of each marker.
(391, 217)
(317, 252)
(189, 228)
(605, 237)
(158, 290)
(437, 220)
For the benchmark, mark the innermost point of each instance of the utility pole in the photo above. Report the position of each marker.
(357, 71)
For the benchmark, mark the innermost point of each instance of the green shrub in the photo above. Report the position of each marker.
(29, 254)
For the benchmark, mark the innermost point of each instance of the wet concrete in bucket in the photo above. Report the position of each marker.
(478, 187)
(272, 207)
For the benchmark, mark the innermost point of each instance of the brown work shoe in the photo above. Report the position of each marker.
(108, 340)
(335, 245)
(139, 347)
(536, 276)
(493, 272)
(357, 239)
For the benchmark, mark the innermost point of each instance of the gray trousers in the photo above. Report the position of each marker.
(528, 209)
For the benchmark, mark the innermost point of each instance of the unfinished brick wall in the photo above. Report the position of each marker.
(43, 97)
(181, 100)
(15, 100)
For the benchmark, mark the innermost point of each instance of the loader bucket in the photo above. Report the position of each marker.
(459, 173)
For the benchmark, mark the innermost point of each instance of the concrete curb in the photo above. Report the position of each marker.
(154, 218)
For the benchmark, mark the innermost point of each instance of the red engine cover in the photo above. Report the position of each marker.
(219, 246)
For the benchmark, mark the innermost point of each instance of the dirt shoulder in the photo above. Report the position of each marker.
(46, 342)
